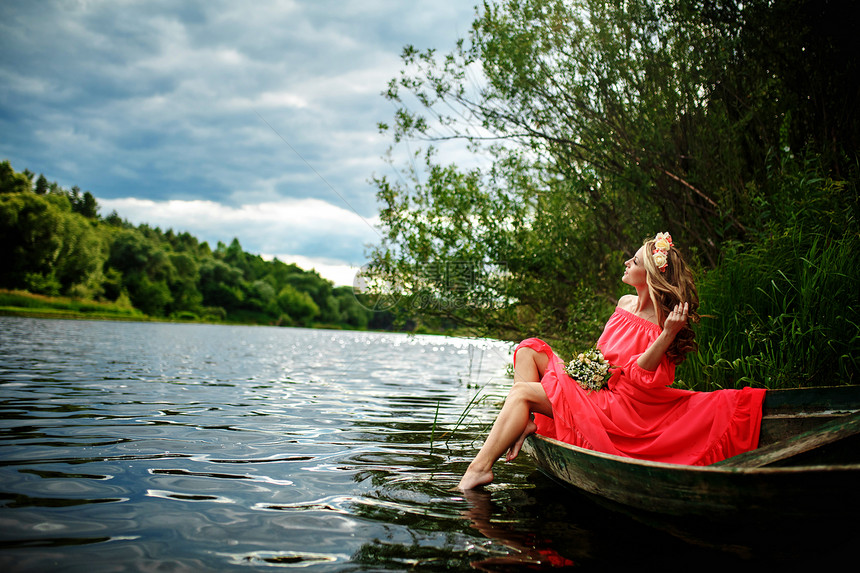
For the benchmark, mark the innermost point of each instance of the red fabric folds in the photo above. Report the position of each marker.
(637, 415)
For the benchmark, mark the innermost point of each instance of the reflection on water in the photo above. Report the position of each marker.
(196, 447)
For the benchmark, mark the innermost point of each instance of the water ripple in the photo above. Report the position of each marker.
(211, 447)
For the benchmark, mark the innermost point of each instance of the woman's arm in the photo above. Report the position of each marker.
(677, 320)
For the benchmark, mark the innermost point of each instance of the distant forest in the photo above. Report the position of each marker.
(53, 241)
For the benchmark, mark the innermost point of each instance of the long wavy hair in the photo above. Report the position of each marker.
(675, 285)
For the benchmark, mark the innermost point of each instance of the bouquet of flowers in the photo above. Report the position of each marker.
(590, 369)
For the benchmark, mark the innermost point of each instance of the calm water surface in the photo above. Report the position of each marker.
(172, 447)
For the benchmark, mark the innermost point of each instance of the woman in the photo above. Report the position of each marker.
(636, 415)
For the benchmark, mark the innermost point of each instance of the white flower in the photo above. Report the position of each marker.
(663, 241)
(589, 369)
(660, 258)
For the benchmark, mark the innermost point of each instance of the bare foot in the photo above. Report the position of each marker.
(474, 478)
(514, 451)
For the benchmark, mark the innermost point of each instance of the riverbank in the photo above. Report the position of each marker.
(23, 303)
(27, 304)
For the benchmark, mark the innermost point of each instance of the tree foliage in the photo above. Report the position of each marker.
(594, 124)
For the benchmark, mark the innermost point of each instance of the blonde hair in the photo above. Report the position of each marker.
(668, 288)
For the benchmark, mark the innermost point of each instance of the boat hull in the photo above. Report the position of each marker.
(804, 476)
(710, 493)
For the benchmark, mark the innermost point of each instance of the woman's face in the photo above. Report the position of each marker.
(634, 269)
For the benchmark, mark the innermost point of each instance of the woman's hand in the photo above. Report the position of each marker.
(677, 320)
(674, 323)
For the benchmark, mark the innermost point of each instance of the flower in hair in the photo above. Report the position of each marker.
(662, 244)
(663, 241)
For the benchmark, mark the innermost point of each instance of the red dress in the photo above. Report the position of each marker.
(637, 415)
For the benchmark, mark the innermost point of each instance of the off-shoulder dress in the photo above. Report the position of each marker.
(637, 414)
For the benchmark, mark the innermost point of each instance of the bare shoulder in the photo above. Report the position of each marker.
(628, 302)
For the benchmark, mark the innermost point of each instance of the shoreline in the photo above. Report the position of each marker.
(48, 313)
(67, 308)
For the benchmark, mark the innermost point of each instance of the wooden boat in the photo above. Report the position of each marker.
(805, 473)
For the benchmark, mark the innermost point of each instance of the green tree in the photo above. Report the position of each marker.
(45, 247)
(350, 311)
(298, 305)
(234, 256)
(220, 284)
(88, 206)
(595, 123)
(130, 251)
(317, 287)
(12, 182)
(146, 268)
(151, 296)
(42, 185)
(81, 257)
(114, 220)
(186, 296)
(29, 241)
(261, 297)
(112, 285)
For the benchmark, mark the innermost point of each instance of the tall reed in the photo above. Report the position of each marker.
(780, 313)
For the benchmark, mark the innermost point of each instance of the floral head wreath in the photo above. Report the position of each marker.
(662, 244)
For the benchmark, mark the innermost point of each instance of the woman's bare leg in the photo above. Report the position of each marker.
(514, 422)
(515, 448)
(523, 399)
(530, 366)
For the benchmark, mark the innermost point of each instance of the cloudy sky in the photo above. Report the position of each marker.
(222, 118)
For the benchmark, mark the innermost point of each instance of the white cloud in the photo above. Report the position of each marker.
(309, 232)
(340, 274)
(155, 107)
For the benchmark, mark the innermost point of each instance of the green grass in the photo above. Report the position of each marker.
(783, 313)
(22, 303)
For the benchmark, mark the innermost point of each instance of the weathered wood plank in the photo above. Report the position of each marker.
(776, 428)
(797, 401)
(837, 432)
(787, 413)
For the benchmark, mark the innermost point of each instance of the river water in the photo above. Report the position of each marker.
(187, 447)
